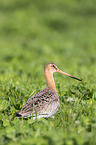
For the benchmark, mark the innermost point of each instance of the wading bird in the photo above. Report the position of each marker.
(46, 102)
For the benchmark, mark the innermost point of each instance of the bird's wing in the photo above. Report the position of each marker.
(37, 102)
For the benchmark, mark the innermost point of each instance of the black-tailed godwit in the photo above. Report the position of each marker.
(46, 102)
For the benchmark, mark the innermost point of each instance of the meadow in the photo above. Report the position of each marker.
(33, 33)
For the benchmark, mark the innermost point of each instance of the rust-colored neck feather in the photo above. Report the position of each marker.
(50, 84)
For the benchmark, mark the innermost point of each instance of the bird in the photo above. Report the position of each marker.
(46, 102)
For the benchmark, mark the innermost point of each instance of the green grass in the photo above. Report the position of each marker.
(33, 33)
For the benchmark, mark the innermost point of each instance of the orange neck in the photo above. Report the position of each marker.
(50, 84)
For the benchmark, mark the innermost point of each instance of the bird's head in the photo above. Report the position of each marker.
(51, 68)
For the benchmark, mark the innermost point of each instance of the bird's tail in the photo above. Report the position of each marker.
(17, 115)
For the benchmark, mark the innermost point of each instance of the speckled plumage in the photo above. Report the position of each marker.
(46, 102)
(43, 104)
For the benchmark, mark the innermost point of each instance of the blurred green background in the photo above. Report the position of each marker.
(36, 32)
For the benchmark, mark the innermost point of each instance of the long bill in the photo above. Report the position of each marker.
(59, 71)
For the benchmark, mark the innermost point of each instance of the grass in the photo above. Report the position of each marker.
(33, 33)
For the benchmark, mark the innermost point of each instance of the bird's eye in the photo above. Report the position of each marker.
(53, 65)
